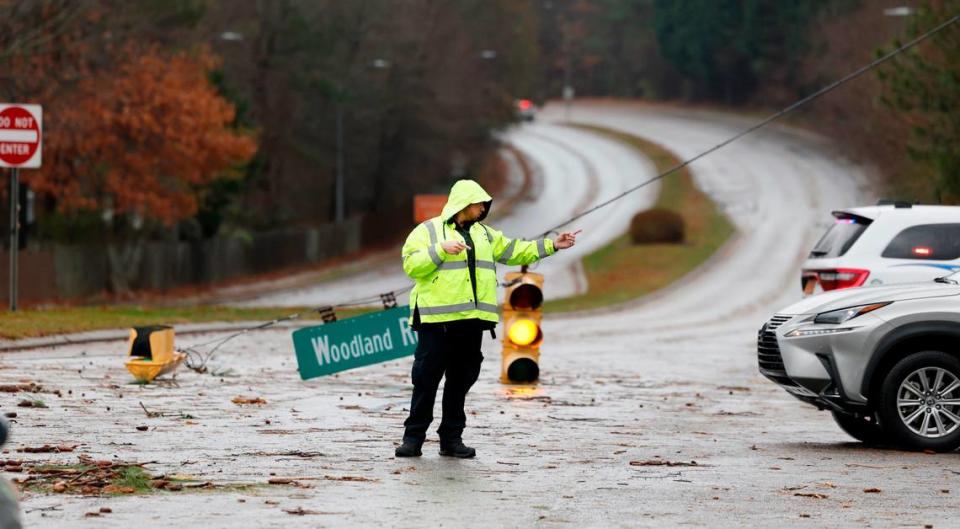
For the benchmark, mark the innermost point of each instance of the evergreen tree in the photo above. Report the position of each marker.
(924, 85)
(727, 47)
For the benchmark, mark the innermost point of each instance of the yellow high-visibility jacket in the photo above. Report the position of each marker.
(443, 291)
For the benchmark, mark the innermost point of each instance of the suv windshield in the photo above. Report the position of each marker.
(841, 236)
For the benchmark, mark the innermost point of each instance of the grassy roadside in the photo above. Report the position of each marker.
(622, 271)
(62, 320)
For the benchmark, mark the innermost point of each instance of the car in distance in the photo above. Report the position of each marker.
(526, 110)
(885, 244)
(885, 361)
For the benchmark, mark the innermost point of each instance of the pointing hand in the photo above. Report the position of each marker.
(566, 239)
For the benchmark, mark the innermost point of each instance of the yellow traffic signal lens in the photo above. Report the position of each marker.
(523, 332)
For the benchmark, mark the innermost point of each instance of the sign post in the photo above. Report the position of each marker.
(568, 99)
(21, 134)
(14, 234)
(354, 342)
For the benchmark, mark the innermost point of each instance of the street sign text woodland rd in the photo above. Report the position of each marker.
(354, 342)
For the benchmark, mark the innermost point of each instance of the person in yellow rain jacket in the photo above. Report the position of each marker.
(452, 258)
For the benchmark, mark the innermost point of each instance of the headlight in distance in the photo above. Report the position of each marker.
(845, 315)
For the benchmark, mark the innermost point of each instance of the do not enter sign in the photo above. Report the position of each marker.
(21, 129)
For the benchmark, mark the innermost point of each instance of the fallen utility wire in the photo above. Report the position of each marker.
(830, 87)
(198, 361)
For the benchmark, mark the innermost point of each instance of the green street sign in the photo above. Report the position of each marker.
(354, 342)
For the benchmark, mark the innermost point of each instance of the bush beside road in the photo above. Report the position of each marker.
(621, 271)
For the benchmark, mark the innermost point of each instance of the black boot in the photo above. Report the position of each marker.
(408, 449)
(457, 449)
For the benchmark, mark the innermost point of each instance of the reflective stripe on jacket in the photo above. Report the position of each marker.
(443, 291)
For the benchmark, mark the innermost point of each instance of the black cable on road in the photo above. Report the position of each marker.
(852, 75)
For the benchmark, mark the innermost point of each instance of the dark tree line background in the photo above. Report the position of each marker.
(421, 85)
(414, 81)
(765, 54)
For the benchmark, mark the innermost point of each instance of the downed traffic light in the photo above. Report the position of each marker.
(521, 323)
(151, 352)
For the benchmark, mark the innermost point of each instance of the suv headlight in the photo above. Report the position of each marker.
(845, 315)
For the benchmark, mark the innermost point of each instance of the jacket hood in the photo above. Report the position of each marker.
(462, 194)
(852, 297)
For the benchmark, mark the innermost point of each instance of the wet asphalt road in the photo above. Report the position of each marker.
(650, 415)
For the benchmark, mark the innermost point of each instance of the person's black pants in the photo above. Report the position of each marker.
(443, 349)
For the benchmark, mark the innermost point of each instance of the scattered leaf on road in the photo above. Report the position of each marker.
(241, 400)
(17, 388)
(663, 463)
(117, 489)
(348, 478)
(46, 449)
(734, 388)
(814, 495)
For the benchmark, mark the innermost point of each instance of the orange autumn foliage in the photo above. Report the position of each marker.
(144, 138)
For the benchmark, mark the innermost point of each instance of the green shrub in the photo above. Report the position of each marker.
(657, 226)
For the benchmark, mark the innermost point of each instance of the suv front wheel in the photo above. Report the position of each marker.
(920, 402)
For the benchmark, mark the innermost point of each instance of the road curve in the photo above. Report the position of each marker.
(777, 186)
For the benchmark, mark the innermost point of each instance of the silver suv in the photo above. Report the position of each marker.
(885, 360)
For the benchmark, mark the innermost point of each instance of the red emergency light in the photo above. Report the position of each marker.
(922, 250)
(524, 104)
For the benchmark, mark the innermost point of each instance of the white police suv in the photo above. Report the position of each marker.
(884, 244)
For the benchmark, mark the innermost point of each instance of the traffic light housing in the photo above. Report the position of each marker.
(522, 314)
(151, 352)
